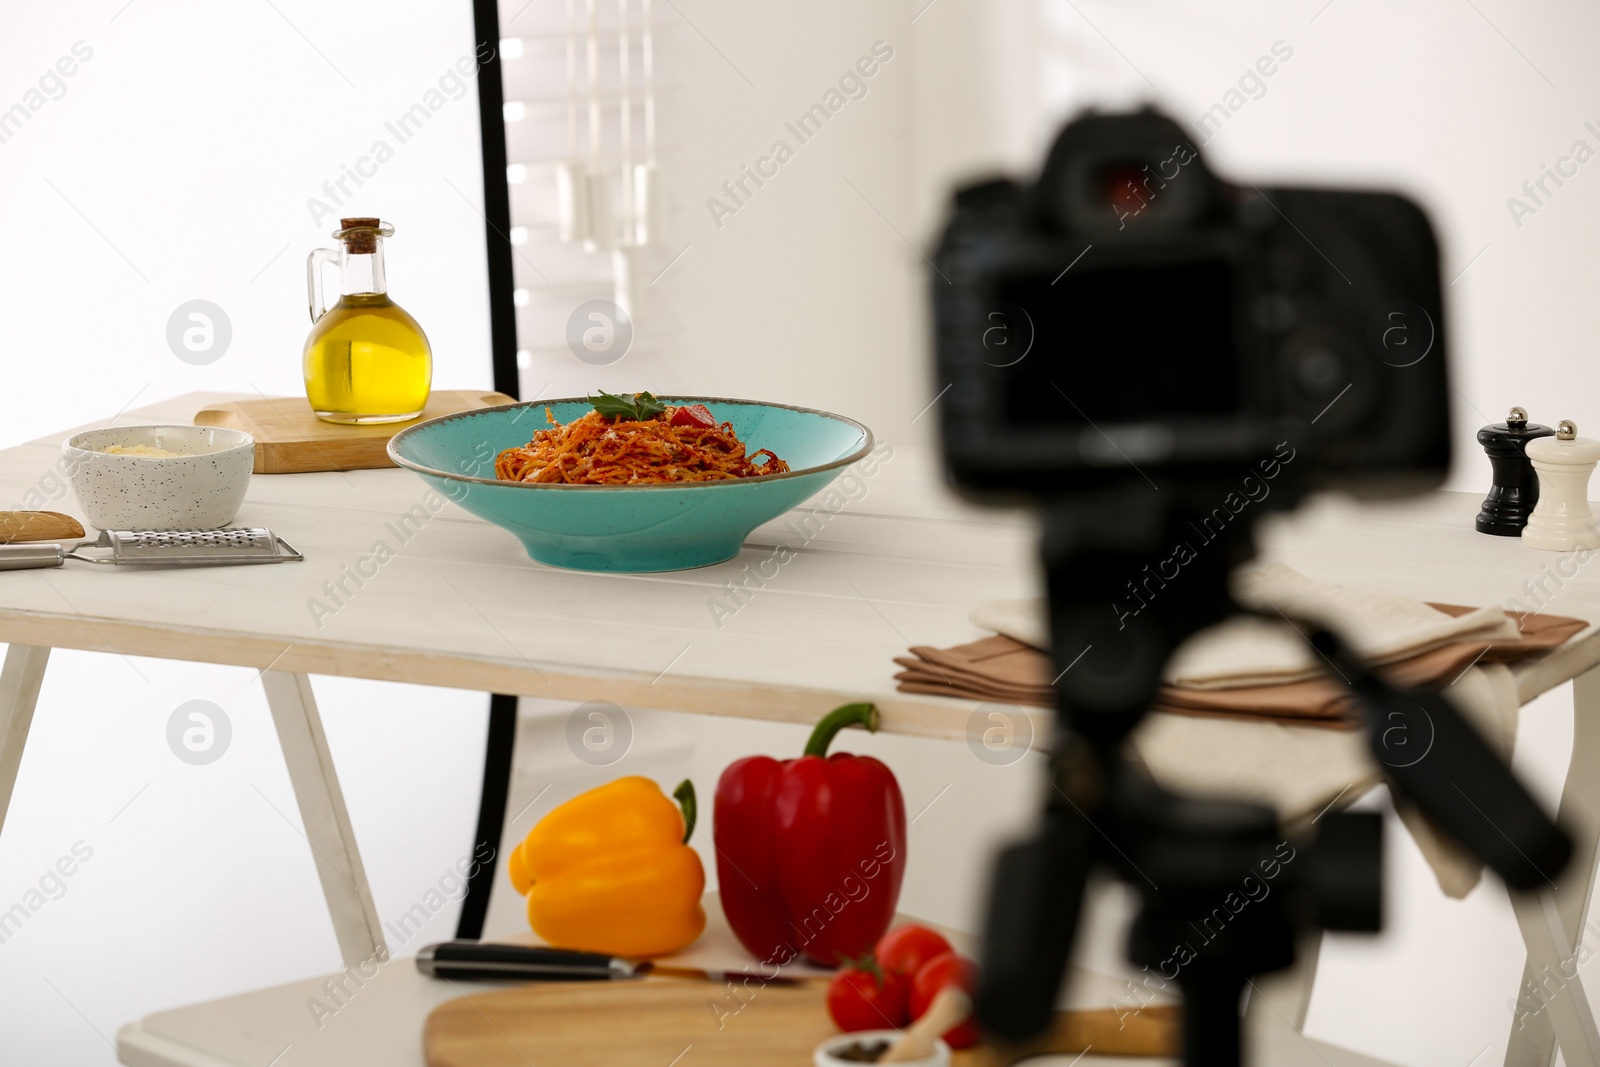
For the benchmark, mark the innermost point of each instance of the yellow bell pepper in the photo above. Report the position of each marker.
(610, 871)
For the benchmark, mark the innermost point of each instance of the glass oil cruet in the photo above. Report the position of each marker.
(366, 360)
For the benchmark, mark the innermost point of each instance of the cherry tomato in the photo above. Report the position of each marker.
(905, 949)
(694, 415)
(865, 998)
(941, 971)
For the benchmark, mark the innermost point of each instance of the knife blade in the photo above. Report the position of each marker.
(655, 970)
(486, 961)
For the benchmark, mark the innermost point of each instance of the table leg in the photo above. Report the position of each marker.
(1552, 961)
(1551, 999)
(322, 810)
(1282, 999)
(19, 694)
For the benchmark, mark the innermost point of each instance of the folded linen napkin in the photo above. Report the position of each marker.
(1381, 627)
(1253, 710)
(1001, 668)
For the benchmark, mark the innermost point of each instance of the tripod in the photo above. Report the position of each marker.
(1131, 574)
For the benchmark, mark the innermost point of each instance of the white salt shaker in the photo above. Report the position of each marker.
(1562, 521)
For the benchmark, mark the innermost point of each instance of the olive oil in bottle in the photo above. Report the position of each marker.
(366, 360)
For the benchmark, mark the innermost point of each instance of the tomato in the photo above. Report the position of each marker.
(865, 998)
(941, 971)
(694, 415)
(905, 949)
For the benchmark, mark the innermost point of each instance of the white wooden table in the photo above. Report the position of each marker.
(460, 605)
(381, 1021)
(1427, 548)
(899, 563)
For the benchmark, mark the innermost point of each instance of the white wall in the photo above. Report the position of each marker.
(976, 109)
(178, 165)
(175, 163)
(805, 293)
(1455, 103)
(815, 291)
(810, 287)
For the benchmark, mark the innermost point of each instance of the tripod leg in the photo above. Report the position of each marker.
(1533, 1040)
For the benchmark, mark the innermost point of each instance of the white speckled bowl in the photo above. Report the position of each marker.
(199, 490)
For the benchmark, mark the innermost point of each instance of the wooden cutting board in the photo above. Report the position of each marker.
(662, 1022)
(291, 440)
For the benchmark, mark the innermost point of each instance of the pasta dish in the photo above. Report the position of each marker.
(635, 440)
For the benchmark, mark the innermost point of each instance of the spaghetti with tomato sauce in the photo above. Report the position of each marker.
(635, 441)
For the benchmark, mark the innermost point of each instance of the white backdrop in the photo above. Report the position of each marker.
(175, 163)
(1457, 103)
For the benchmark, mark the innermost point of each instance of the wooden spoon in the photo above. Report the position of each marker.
(950, 1008)
(37, 526)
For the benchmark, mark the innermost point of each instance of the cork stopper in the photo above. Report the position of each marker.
(360, 235)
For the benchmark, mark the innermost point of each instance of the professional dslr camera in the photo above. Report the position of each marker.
(1128, 343)
(1133, 312)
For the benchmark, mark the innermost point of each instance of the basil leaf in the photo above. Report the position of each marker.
(639, 407)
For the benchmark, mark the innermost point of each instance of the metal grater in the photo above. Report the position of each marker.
(159, 548)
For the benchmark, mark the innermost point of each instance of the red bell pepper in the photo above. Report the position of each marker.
(811, 851)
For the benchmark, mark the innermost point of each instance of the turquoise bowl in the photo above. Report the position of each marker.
(631, 528)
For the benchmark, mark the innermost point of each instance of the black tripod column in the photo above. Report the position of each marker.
(1211, 1026)
(1516, 487)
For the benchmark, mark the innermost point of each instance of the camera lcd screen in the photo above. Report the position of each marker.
(1117, 345)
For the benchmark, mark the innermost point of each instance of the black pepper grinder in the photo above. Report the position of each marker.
(1516, 488)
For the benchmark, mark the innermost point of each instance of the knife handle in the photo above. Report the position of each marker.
(485, 961)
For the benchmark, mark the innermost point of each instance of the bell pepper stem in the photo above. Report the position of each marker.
(684, 795)
(862, 715)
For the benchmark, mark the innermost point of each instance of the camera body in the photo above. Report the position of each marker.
(1131, 316)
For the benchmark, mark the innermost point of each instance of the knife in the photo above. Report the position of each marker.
(494, 962)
